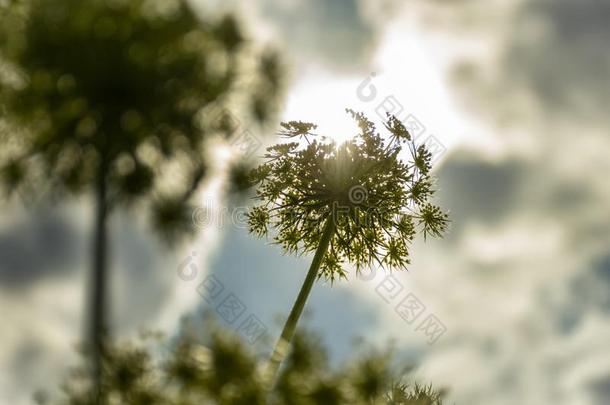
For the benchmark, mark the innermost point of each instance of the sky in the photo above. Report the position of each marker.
(513, 97)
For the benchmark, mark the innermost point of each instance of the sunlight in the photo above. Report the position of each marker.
(323, 97)
(404, 76)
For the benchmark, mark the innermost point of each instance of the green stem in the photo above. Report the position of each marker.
(281, 347)
(98, 326)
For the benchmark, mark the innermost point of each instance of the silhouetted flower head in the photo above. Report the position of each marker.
(376, 189)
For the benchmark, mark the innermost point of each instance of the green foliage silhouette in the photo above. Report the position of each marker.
(118, 98)
(223, 371)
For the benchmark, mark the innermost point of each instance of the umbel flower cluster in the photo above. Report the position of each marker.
(368, 196)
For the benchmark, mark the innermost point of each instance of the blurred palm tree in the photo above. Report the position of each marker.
(360, 202)
(118, 98)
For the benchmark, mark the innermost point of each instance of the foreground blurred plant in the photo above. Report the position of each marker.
(109, 97)
(224, 372)
(358, 202)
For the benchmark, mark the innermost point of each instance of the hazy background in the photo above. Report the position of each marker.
(517, 93)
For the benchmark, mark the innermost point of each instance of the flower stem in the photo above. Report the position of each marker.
(98, 326)
(281, 347)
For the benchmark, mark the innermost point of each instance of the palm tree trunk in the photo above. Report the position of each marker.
(97, 327)
(281, 347)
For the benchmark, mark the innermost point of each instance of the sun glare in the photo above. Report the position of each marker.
(405, 79)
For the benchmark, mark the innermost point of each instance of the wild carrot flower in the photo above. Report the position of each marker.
(375, 198)
(359, 202)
